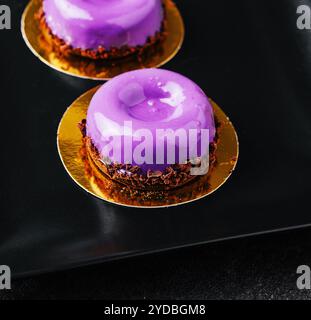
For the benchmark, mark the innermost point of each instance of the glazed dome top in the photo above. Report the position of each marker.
(153, 100)
(89, 24)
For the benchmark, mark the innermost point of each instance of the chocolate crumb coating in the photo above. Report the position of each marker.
(65, 50)
(172, 177)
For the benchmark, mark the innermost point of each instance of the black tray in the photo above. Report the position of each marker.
(248, 56)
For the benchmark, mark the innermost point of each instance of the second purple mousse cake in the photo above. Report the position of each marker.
(148, 128)
(102, 29)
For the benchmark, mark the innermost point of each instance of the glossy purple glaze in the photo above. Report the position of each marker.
(89, 24)
(149, 99)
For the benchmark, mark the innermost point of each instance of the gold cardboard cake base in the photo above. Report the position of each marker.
(102, 69)
(87, 176)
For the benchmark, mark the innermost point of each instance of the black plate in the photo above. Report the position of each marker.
(248, 56)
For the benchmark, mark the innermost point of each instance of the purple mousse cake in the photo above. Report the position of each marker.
(145, 129)
(102, 29)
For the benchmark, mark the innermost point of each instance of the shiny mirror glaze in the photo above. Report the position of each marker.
(89, 24)
(150, 100)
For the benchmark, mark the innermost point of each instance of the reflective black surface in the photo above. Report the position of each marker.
(249, 57)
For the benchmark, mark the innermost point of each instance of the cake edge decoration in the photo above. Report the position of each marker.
(174, 176)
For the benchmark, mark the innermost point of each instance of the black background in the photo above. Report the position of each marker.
(250, 58)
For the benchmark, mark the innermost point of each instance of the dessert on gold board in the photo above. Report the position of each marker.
(100, 39)
(89, 169)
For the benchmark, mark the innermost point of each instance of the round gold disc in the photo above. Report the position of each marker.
(82, 170)
(101, 69)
